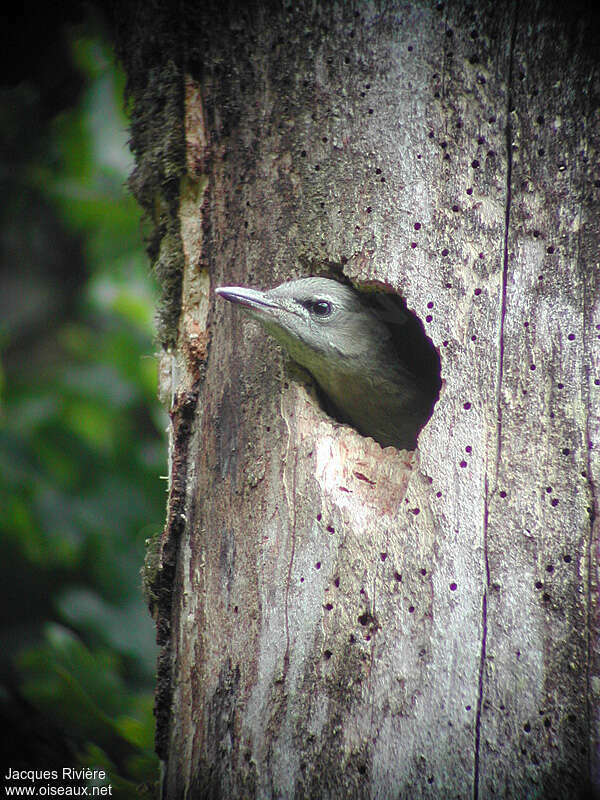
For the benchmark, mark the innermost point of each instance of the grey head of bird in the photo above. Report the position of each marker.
(328, 328)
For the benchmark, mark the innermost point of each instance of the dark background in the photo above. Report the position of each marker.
(81, 433)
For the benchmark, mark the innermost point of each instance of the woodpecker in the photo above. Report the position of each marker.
(330, 330)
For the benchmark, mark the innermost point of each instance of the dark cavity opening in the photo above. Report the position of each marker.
(414, 348)
(415, 352)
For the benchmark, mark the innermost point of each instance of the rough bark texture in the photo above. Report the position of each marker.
(339, 620)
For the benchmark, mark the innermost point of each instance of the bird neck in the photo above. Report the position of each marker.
(377, 404)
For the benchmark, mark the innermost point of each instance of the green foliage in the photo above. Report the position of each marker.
(81, 450)
(96, 706)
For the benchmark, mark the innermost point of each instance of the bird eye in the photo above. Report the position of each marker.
(321, 308)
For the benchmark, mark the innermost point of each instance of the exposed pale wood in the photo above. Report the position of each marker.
(347, 621)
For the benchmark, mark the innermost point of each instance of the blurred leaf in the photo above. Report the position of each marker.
(78, 687)
(81, 431)
(125, 628)
(84, 691)
(143, 771)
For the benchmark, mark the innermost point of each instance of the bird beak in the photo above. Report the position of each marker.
(249, 298)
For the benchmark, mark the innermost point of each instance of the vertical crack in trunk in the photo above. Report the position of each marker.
(590, 588)
(499, 378)
(483, 648)
(592, 488)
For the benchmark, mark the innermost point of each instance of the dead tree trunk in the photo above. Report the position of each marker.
(340, 620)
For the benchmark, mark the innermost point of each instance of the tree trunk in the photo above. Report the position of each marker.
(338, 619)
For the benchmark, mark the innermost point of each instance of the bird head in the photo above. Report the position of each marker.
(317, 320)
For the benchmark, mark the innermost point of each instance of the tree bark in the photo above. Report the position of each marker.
(338, 619)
